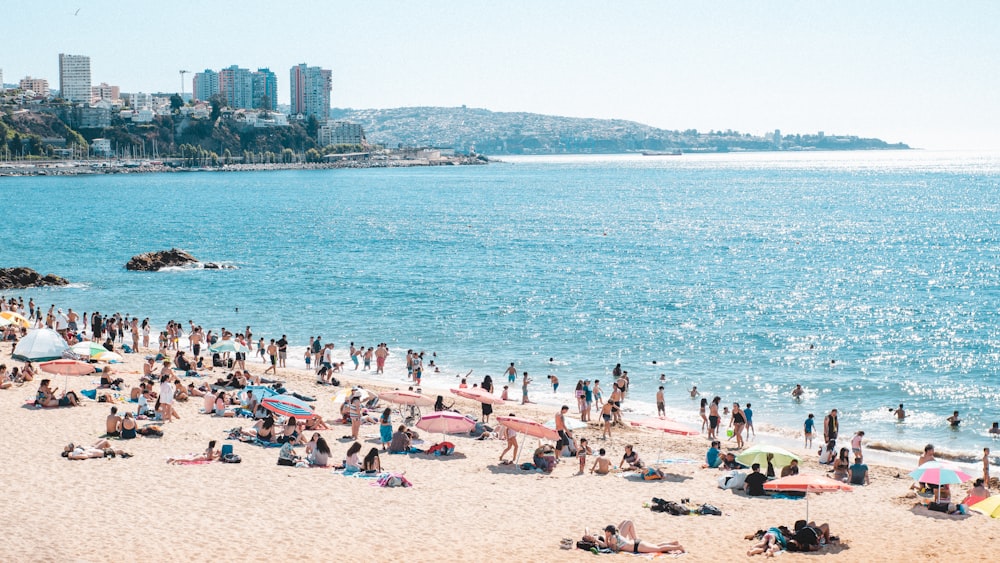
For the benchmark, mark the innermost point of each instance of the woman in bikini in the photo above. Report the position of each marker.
(701, 411)
(511, 436)
(372, 463)
(46, 396)
(623, 539)
(210, 454)
(265, 429)
(738, 421)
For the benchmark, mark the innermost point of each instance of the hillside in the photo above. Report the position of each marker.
(491, 132)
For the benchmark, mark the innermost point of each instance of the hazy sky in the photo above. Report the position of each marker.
(920, 72)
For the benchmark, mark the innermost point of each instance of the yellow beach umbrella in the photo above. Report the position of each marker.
(16, 318)
(989, 507)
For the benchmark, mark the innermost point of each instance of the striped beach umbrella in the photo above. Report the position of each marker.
(288, 406)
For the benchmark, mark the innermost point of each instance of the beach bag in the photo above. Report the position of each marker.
(585, 545)
(676, 509)
(733, 480)
(709, 510)
(231, 458)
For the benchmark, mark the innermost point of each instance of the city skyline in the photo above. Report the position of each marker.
(915, 72)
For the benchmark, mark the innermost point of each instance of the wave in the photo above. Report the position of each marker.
(201, 266)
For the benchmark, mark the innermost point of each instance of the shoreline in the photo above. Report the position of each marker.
(87, 168)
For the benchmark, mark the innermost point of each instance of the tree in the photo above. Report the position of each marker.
(176, 103)
(287, 156)
(312, 126)
(218, 102)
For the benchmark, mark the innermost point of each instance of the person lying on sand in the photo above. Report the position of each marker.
(623, 539)
(101, 448)
(210, 454)
(771, 541)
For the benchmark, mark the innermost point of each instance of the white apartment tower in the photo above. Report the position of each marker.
(310, 91)
(74, 78)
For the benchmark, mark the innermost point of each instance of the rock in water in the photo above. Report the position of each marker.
(154, 261)
(18, 278)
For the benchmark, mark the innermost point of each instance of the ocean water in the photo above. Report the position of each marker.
(870, 278)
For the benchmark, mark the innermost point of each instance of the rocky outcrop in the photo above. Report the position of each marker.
(154, 261)
(18, 278)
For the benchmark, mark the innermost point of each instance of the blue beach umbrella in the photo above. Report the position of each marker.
(289, 406)
(229, 346)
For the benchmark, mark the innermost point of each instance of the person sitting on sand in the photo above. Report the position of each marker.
(623, 539)
(220, 406)
(352, 463)
(210, 454)
(440, 406)
(263, 430)
(101, 448)
(602, 465)
(112, 423)
(842, 465)
(858, 472)
(319, 454)
(127, 427)
(290, 433)
(372, 463)
(544, 458)
(630, 461)
(729, 462)
(771, 542)
(712, 457)
(791, 469)
(401, 441)
(45, 396)
(754, 483)
(828, 453)
(287, 455)
(978, 493)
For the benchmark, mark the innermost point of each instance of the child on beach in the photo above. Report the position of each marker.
(986, 466)
(602, 465)
(808, 430)
(308, 358)
(581, 454)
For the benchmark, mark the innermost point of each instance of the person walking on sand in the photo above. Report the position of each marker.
(272, 354)
(807, 430)
(713, 417)
(737, 420)
(606, 418)
(856, 444)
(511, 436)
(561, 430)
(511, 373)
(524, 388)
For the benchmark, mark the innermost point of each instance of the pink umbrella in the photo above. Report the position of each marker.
(807, 483)
(528, 427)
(66, 367)
(665, 425)
(446, 422)
(407, 398)
(479, 394)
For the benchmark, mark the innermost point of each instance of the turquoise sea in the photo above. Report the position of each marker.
(871, 278)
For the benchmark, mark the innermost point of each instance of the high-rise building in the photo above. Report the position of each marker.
(204, 85)
(74, 78)
(104, 92)
(265, 89)
(236, 85)
(39, 86)
(310, 91)
(1, 80)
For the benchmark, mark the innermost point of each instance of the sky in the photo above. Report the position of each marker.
(919, 72)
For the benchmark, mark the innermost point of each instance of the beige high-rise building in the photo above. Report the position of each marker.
(39, 86)
(74, 78)
(105, 92)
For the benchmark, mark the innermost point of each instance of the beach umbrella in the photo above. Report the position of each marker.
(88, 349)
(15, 318)
(939, 473)
(989, 506)
(807, 483)
(228, 346)
(527, 427)
(758, 454)
(665, 425)
(446, 422)
(40, 345)
(5, 322)
(407, 398)
(109, 357)
(478, 394)
(66, 368)
(288, 406)
(571, 423)
(259, 391)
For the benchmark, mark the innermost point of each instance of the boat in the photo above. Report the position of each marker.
(675, 152)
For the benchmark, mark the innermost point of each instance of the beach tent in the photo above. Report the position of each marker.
(41, 345)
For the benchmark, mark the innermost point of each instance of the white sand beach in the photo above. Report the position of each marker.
(464, 507)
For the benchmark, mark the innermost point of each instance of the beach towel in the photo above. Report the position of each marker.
(392, 480)
(191, 462)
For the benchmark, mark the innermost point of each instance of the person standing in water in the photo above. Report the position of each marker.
(900, 413)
